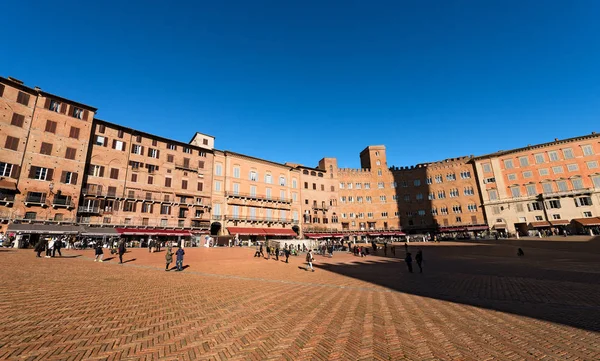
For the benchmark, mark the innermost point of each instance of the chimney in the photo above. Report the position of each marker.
(556, 139)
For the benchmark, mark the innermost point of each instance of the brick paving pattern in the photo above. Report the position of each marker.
(474, 301)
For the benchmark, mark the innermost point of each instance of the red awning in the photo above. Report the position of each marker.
(246, 231)
(478, 228)
(279, 232)
(593, 221)
(452, 229)
(152, 232)
(559, 222)
(540, 224)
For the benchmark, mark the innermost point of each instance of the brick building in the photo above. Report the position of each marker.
(43, 158)
(254, 198)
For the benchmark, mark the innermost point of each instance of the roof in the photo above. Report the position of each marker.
(140, 132)
(228, 152)
(85, 106)
(537, 146)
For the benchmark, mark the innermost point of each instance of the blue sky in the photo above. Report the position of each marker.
(301, 80)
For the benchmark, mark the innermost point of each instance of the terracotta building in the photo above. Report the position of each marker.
(440, 197)
(254, 199)
(44, 146)
(145, 184)
(546, 187)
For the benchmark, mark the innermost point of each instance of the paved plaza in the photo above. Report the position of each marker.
(474, 301)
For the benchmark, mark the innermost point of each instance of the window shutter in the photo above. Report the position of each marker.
(114, 146)
(47, 104)
(74, 178)
(102, 171)
(149, 152)
(142, 150)
(200, 187)
(1, 90)
(85, 115)
(63, 177)
(16, 170)
(157, 154)
(124, 146)
(105, 141)
(63, 108)
(32, 171)
(49, 174)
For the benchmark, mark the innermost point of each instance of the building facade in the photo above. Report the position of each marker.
(547, 187)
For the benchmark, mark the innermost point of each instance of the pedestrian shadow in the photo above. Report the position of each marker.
(75, 256)
(7, 250)
(129, 260)
(108, 259)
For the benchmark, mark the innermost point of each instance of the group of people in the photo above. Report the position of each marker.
(51, 246)
(120, 250)
(276, 251)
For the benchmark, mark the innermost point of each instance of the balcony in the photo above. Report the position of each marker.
(62, 202)
(7, 198)
(35, 199)
(572, 192)
(186, 166)
(257, 197)
(323, 207)
(231, 217)
(96, 191)
(90, 210)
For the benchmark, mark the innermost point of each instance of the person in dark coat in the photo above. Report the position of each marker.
(520, 252)
(121, 250)
(408, 261)
(179, 263)
(99, 252)
(40, 247)
(419, 259)
(287, 254)
(262, 253)
(277, 252)
(169, 257)
(57, 247)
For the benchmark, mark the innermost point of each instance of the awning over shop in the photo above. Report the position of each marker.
(482, 227)
(8, 185)
(559, 222)
(246, 231)
(541, 224)
(588, 222)
(452, 229)
(152, 232)
(386, 233)
(279, 232)
(500, 226)
(43, 229)
(99, 231)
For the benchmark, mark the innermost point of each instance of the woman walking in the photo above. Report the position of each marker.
(169, 257)
(99, 252)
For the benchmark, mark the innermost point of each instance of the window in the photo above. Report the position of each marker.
(17, 120)
(592, 164)
(493, 194)
(380, 185)
(587, 214)
(367, 185)
(184, 184)
(434, 211)
(54, 106)
(553, 156)
(558, 169)
(5, 169)
(268, 178)
(218, 169)
(539, 158)
(465, 174)
(487, 167)
(201, 164)
(458, 219)
(489, 180)
(46, 148)
(253, 191)
(508, 164)
(50, 127)
(547, 187)
(70, 153)
(587, 150)
(451, 177)
(171, 147)
(472, 207)
(369, 215)
(322, 187)
(170, 158)
(523, 161)
(419, 196)
(379, 172)
(417, 182)
(469, 191)
(137, 149)
(572, 167)
(153, 153)
(438, 179)
(544, 171)
(349, 185)
(562, 186)
(382, 199)
(444, 210)
(535, 206)
(11, 143)
(295, 183)
(384, 214)
(120, 133)
(512, 177)
(74, 133)
(40, 173)
(165, 209)
(369, 199)
(187, 150)
(428, 180)
(531, 189)
(342, 185)
(456, 209)
(23, 98)
(441, 194)
(431, 196)
(200, 187)
(146, 207)
(568, 153)
(100, 140)
(407, 198)
(168, 182)
(217, 186)
(102, 128)
(577, 183)
(134, 177)
(583, 201)
(118, 145)
(454, 193)
(77, 113)
(553, 204)
(314, 186)
(527, 174)
(253, 175)
(114, 173)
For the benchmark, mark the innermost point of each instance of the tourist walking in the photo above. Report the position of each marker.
(99, 252)
(309, 260)
(40, 247)
(408, 261)
(277, 252)
(261, 250)
(287, 254)
(169, 257)
(121, 250)
(419, 259)
(268, 252)
(57, 247)
(180, 252)
(257, 253)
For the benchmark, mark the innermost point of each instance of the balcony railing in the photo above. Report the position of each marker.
(233, 217)
(258, 197)
(99, 192)
(91, 210)
(62, 202)
(571, 192)
(7, 197)
(320, 208)
(35, 198)
(143, 223)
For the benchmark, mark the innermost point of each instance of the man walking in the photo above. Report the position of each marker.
(408, 261)
(121, 250)
(419, 259)
(57, 247)
(309, 260)
(287, 253)
(168, 257)
(180, 252)
(277, 252)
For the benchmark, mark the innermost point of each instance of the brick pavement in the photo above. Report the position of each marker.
(475, 301)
